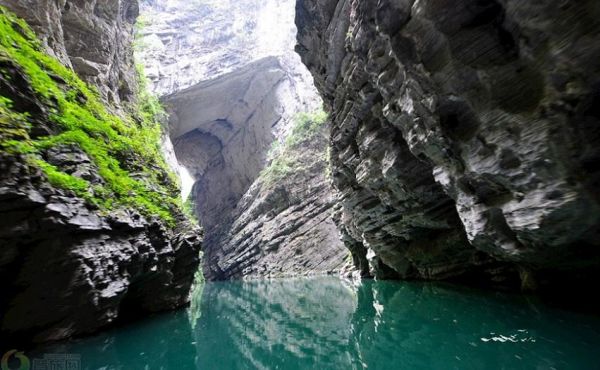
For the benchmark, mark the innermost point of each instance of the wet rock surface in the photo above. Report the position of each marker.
(464, 135)
(66, 267)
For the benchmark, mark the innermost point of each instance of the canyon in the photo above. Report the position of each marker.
(240, 93)
(401, 140)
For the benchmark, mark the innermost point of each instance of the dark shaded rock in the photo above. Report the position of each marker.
(66, 267)
(68, 270)
(462, 132)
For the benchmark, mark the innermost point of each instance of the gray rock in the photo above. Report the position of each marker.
(69, 270)
(464, 133)
(184, 43)
(93, 37)
(66, 267)
(282, 227)
(239, 92)
(222, 130)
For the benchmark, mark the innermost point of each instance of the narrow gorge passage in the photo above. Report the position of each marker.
(390, 184)
(230, 117)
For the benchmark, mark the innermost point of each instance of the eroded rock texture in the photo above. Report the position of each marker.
(222, 130)
(465, 133)
(187, 42)
(284, 226)
(243, 86)
(93, 37)
(67, 268)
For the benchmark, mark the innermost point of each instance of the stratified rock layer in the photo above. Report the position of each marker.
(232, 85)
(283, 226)
(183, 42)
(464, 133)
(222, 130)
(68, 268)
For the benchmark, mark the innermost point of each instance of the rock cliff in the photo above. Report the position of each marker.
(222, 131)
(184, 42)
(232, 85)
(92, 232)
(92, 37)
(464, 136)
(283, 225)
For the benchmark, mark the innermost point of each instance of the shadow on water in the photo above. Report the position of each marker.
(326, 323)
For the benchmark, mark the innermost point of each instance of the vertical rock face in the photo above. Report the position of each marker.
(92, 37)
(186, 42)
(283, 225)
(222, 130)
(68, 270)
(66, 266)
(465, 133)
(232, 85)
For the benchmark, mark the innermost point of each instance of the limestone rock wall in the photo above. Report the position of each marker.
(186, 42)
(222, 131)
(67, 270)
(232, 85)
(93, 37)
(66, 267)
(283, 225)
(465, 133)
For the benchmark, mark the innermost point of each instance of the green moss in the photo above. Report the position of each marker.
(14, 129)
(119, 147)
(306, 126)
(63, 180)
(188, 209)
(284, 157)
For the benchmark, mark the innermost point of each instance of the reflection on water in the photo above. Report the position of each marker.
(325, 323)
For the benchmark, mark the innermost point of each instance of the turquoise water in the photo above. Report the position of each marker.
(325, 323)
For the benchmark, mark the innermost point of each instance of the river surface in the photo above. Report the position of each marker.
(327, 323)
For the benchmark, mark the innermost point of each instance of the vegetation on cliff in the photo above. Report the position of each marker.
(284, 157)
(125, 148)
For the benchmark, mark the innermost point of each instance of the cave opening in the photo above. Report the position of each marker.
(232, 85)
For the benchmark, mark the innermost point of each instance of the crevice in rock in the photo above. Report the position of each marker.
(475, 94)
